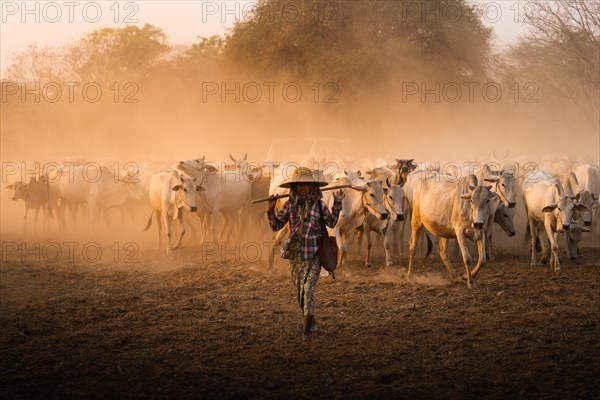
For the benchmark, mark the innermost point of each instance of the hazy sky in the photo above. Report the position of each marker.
(52, 23)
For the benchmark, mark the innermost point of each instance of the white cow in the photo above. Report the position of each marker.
(109, 191)
(171, 193)
(227, 193)
(573, 237)
(362, 199)
(547, 208)
(70, 189)
(35, 196)
(588, 176)
(504, 185)
(450, 210)
(572, 187)
(388, 228)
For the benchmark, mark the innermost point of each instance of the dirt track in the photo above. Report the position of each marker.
(178, 328)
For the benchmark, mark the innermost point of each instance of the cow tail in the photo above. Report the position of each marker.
(149, 221)
(429, 245)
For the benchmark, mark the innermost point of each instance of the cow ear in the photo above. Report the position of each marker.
(491, 180)
(199, 188)
(465, 196)
(492, 195)
(488, 187)
(176, 188)
(11, 187)
(549, 208)
(584, 229)
(385, 190)
(581, 207)
(577, 196)
(210, 168)
(471, 187)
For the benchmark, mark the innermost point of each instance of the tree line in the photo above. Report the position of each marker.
(368, 49)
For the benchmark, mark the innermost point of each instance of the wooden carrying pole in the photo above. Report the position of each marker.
(282, 196)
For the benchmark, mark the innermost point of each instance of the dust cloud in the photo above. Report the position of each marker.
(168, 118)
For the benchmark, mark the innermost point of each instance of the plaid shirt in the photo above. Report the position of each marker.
(311, 228)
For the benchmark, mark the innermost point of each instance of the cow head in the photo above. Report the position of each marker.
(563, 211)
(20, 190)
(249, 172)
(574, 236)
(586, 198)
(404, 168)
(504, 217)
(196, 168)
(185, 189)
(504, 184)
(373, 199)
(479, 196)
(394, 199)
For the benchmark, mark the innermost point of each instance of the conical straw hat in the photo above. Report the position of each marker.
(302, 175)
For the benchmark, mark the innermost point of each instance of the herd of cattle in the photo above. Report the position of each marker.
(391, 200)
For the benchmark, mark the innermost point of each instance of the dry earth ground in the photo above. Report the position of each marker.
(191, 326)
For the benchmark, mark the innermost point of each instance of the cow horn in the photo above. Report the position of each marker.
(387, 182)
(246, 156)
(358, 188)
(232, 159)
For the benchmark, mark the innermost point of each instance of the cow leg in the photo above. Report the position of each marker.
(416, 228)
(481, 260)
(488, 233)
(159, 224)
(35, 218)
(46, 223)
(386, 243)
(338, 238)
(225, 234)
(213, 226)
(544, 243)
(359, 234)
(553, 238)
(443, 252)
(367, 233)
(25, 221)
(397, 245)
(224, 222)
(169, 228)
(466, 257)
(181, 229)
(533, 233)
(60, 216)
(343, 249)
